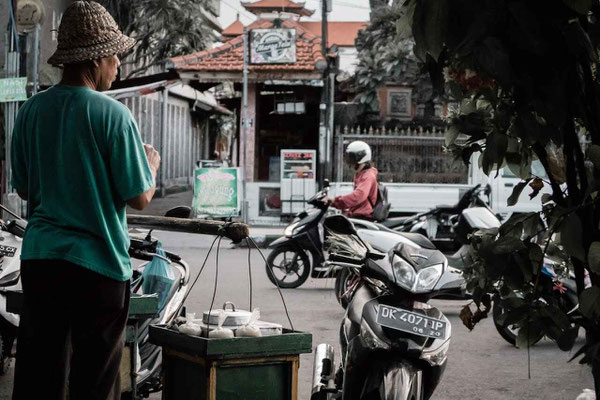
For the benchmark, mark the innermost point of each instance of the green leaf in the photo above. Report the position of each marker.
(451, 135)
(405, 21)
(429, 25)
(593, 154)
(507, 244)
(571, 236)
(496, 144)
(529, 333)
(581, 6)
(546, 198)
(589, 302)
(594, 257)
(514, 197)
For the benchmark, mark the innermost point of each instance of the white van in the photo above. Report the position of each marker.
(503, 184)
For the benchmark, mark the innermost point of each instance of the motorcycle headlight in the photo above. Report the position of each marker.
(428, 277)
(404, 273)
(289, 230)
(370, 339)
(420, 282)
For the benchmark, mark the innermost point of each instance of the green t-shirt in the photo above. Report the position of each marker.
(79, 157)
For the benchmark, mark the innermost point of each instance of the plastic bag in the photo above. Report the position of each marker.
(220, 332)
(250, 329)
(190, 327)
(158, 277)
(587, 394)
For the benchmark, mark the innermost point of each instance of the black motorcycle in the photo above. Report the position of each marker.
(469, 220)
(288, 265)
(393, 344)
(437, 224)
(558, 291)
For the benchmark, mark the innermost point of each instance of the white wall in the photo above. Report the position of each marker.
(348, 59)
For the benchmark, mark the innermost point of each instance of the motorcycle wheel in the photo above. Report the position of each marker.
(342, 282)
(508, 333)
(288, 267)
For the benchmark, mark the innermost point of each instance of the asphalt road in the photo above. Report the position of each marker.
(481, 365)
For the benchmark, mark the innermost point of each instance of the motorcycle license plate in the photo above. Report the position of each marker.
(407, 321)
(8, 251)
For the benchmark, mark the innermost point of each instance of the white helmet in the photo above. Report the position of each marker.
(358, 152)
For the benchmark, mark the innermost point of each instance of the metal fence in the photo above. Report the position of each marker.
(184, 141)
(402, 156)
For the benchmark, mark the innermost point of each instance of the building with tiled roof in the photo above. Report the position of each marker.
(285, 94)
(270, 6)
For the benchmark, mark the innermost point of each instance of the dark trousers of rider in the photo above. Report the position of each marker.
(71, 333)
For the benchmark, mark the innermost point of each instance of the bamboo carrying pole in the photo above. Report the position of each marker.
(235, 231)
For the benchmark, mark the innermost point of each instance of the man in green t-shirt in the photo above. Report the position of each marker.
(78, 160)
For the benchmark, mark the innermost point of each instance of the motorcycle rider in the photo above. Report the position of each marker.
(359, 203)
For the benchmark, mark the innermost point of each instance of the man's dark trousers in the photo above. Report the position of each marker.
(71, 333)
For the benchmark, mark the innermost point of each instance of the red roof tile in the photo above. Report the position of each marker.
(338, 32)
(277, 5)
(229, 56)
(235, 29)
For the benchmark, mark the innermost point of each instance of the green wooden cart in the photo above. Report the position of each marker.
(259, 368)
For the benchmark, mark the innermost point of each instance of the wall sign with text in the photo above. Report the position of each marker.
(216, 192)
(272, 46)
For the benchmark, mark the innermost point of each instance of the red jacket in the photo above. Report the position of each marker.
(358, 203)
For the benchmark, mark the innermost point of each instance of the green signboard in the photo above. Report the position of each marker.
(216, 192)
(13, 89)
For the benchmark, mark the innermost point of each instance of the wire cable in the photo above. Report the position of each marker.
(274, 280)
(240, 10)
(198, 276)
(212, 303)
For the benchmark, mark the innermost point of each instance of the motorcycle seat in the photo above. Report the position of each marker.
(446, 208)
(394, 222)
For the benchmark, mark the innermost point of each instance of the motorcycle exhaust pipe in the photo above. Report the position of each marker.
(323, 369)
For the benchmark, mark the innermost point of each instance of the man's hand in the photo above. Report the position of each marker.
(140, 202)
(152, 156)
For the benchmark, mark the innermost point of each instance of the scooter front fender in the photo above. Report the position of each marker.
(284, 240)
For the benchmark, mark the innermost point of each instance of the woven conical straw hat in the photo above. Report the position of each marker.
(88, 32)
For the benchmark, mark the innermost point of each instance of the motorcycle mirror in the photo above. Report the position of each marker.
(488, 189)
(326, 183)
(339, 224)
(179, 212)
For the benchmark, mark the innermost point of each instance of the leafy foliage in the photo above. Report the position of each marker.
(162, 28)
(382, 61)
(525, 75)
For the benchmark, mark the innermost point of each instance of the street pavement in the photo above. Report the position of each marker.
(480, 364)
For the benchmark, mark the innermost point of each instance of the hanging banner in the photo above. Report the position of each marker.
(216, 192)
(13, 89)
(272, 46)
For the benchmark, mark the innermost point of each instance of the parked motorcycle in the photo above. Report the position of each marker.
(559, 291)
(10, 273)
(393, 344)
(148, 370)
(438, 223)
(469, 220)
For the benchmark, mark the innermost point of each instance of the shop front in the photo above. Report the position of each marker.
(285, 83)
